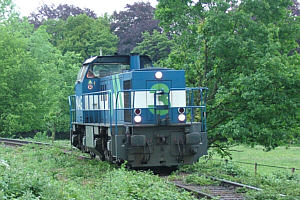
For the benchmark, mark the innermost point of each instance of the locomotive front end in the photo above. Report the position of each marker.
(162, 113)
(143, 115)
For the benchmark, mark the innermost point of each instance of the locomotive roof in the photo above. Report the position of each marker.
(122, 59)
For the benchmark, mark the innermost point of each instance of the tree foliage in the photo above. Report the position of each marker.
(62, 11)
(75, 29)
(6, 10)
(156, 45)
(19, 80)
(295, 8)
(241, 51)
(39, 65)
(82, 34)
(58, 76)
(129, 25)
(35, 79)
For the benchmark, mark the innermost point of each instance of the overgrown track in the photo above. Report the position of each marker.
(221, 192)
(226, 190)
(16, 142)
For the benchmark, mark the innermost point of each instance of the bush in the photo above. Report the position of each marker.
(41, 137)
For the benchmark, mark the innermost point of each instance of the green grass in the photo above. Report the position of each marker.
(281, 156)
(35, 172)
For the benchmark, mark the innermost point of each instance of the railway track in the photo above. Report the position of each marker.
(16, 142)
(222, 192)
(226, 190)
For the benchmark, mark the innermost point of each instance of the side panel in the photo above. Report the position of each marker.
(121, 152)
(89, 130)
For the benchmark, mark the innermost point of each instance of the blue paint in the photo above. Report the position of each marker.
(135, 62)
(141, 79)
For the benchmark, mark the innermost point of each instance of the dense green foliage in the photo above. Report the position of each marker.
(82, 34)
(243, 51)
(156, 45)
(48, 173)
(38, 67)
(18, 79)
(35, 80)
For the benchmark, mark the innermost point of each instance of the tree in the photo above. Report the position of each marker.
(58, 74)
(62, 11)
(157, 45)
(240, 50)
(82, 34)
(20, 88)
(7, 11)
(19, 91)
(129, 25)
(35, 79)
(295, 8)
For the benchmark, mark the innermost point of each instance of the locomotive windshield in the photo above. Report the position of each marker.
(107, 69)
(81, 73)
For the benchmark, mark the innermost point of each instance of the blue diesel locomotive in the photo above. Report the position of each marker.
(125, 109)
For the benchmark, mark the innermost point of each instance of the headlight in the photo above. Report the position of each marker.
(181, 117)
(137, 119)
(158, 75)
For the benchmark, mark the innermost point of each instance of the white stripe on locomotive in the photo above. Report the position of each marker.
(145, 99)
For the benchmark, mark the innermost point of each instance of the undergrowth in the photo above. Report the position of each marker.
(34, 172)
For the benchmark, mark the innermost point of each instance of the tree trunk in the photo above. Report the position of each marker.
(53, 133)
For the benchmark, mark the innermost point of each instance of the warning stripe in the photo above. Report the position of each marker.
(116, 88)
(120, 94)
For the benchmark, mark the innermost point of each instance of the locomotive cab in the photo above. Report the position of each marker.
(126, 109)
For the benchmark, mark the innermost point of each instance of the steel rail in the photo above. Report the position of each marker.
(235, 184)
(16, 142)
(210, 192)
(220, 192)
(192, 189)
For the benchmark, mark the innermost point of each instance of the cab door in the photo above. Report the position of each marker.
(159, 99)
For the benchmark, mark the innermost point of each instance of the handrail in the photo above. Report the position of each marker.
(202, 105)
(86, 105)
(190, 103)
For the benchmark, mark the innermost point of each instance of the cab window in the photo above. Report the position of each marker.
(107, 69)
(81, 73)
